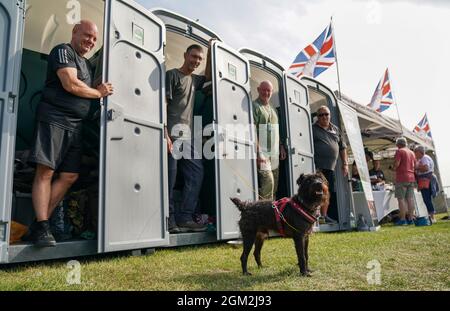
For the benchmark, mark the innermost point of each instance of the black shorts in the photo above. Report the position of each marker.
(56, 147)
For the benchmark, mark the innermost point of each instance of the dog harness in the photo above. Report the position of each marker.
(279, 207)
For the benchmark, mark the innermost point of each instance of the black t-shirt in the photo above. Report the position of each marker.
(57, 105)
(379, 174)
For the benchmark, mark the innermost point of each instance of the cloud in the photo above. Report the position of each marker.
(262, 25)
(433, 3)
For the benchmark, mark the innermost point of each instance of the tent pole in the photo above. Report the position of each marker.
(396, 103)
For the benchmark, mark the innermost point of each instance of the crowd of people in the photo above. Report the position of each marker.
(413, 169)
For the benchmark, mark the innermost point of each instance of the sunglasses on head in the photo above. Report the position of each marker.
(323, 115)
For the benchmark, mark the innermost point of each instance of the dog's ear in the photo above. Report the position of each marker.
(300, 179)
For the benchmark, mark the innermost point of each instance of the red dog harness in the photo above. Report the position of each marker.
(279, 207)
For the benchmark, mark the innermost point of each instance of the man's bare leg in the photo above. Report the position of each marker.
(39, 232)
(402, 208)
(41, 191)
(59, 189)
(411, 208)
(324, 209)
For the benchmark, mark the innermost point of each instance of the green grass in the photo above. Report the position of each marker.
(411, 258)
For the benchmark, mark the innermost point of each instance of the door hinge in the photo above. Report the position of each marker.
(112, 115)
(21, 5)
(11, 102)
(189, 29)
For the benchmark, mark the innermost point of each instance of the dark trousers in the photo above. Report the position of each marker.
(332, 208)
(426, 195)
(192, 170)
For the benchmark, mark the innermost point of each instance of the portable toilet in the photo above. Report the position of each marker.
(128, 153)
(342, 208)
(290, 99)
(226, 115)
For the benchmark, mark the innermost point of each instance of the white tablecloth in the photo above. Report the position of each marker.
(385, 203)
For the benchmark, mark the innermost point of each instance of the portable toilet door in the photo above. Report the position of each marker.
(300, 141)
(344, 196)
(235, 149)
(133, 166)
(11, 40)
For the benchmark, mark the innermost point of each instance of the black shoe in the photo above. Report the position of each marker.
(174, 229)
(191, 226)
(41, 235)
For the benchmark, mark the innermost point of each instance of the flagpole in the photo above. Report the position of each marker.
(396, 102)
(335, 55)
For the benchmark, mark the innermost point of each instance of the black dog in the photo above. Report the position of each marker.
(259, 217)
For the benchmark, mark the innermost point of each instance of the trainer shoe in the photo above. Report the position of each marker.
(330, 220)
(401, 223)
(41, 235)
(191, 226)
(173, 228)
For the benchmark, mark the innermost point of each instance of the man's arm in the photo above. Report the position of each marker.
(344, 158)
(422, 168)
(71, 83)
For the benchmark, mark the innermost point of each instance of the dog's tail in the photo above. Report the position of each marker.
(240, 205)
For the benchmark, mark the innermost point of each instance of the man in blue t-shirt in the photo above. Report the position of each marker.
(57, 144)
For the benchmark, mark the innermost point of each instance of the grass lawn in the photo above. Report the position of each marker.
(411, 258)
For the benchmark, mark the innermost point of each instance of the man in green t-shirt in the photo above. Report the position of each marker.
(269, 149)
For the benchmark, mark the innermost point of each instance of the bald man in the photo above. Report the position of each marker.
(269, 148)
(64, 105)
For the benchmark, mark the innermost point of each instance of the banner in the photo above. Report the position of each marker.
(353, 131)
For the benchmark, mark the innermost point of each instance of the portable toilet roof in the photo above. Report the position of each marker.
(179, 23)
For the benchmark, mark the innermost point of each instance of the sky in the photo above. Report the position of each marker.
(407, 36)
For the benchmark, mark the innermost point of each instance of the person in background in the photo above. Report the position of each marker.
(405, 181)
(424, 173)
(356, 180)
(377, 178)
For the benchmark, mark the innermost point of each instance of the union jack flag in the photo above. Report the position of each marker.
(316, 57)
(423, 128)
(382, 98)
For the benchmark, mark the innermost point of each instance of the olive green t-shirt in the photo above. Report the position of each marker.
(267, 128)
(180, 94)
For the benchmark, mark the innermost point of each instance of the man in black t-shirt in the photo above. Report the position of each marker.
(328, 146)
(377, 178)
(57, 145)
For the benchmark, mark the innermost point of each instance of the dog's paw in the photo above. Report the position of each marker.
(246, 273)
